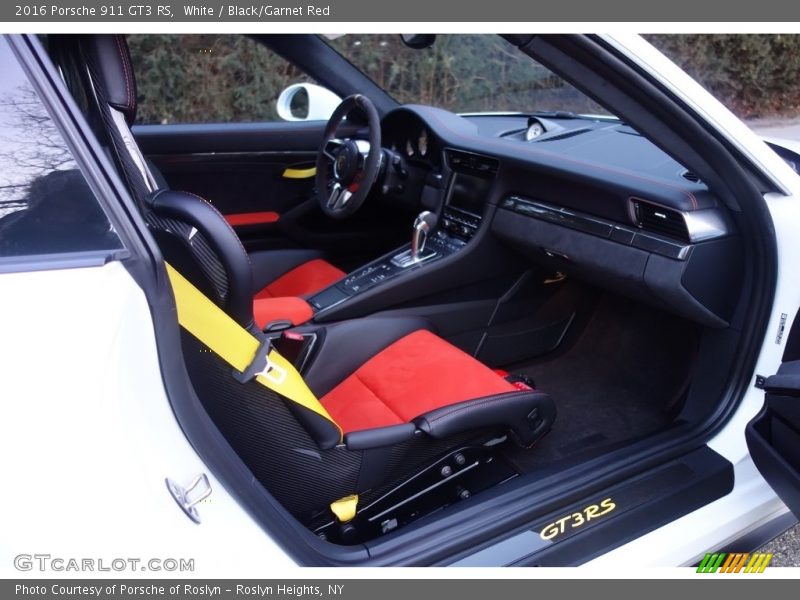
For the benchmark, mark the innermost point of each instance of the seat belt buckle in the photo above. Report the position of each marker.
(294, 347)
(275, 373)
(262, 365)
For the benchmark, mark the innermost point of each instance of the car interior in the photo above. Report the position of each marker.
(476, 300)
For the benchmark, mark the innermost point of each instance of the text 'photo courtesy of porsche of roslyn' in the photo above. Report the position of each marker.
(299, 299)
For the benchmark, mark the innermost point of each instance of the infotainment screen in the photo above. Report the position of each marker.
(469, 193)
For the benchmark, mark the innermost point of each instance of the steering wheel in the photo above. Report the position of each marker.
(348, 168)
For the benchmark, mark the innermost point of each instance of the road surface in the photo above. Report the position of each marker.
(777, 128)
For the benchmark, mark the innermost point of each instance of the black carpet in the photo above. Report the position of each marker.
(624, 377)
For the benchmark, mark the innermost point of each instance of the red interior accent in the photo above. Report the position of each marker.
(414, 375)
(252, 218)
(296, 310)
(308, 278)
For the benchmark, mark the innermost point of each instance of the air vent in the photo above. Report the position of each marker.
(474, 164)
(663, 221)
(689, 176)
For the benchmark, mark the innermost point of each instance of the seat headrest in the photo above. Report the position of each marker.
(112, 70)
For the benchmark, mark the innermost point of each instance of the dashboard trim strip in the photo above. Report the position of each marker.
(621, 234)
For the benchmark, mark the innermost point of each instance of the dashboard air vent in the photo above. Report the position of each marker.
(474, 164)
(663, 221)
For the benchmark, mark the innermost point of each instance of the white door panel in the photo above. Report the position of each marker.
(88, 436)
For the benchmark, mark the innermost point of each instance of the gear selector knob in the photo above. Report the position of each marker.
(424, 224)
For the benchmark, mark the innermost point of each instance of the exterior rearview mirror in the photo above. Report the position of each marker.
(306, 102)
(418, 41)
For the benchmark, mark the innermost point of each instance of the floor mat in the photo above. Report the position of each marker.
(618, 381)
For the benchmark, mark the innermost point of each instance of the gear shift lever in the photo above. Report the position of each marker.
(424, 224)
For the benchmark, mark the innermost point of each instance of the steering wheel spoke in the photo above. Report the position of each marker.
(348, 168)
(333, 197)
(363, 147)
(344, 198)
(330, 148)
(339, 197)
(362, 154)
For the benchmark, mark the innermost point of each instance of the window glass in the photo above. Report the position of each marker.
(46, 206)
(462, 73)
(208, 78)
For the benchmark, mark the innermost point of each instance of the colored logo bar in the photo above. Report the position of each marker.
(737, 562)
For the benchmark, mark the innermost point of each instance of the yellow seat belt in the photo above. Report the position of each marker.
(238, 347)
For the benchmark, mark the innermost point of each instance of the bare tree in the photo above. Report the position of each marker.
(30, 146)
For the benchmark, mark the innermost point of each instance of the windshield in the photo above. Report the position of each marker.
(463, 74)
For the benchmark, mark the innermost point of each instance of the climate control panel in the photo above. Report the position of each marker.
(459, 223)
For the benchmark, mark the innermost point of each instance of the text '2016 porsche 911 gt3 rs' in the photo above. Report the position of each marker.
(357, 314)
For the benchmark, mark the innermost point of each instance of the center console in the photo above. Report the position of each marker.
(459, 220)
(438, 246)
(472, 179)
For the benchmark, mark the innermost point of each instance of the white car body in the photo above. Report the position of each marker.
(86, 413)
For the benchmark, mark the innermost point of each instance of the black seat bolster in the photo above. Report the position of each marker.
(324, 432)
(529, 415)
(110, 60)
(380, 437)
(268, 265)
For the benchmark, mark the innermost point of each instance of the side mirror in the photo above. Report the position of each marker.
(418, 41)
(307, 102)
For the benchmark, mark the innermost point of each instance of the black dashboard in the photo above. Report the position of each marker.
(589, 197)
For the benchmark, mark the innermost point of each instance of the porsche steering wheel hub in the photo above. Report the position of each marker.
(346, 164)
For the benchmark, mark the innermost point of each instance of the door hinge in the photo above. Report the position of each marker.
(761, 381)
